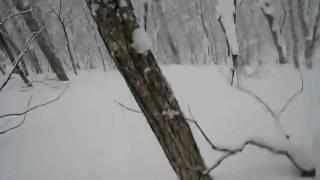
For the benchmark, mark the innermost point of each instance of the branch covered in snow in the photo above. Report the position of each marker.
(301, 161)
(294, 153)
(37, 106)
(21, 123)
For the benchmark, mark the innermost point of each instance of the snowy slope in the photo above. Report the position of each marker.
(85, 135)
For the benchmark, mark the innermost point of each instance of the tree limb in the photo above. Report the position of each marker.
(21, 123)
(228, 152)
(254, 142)
(37, 106)
(127, 108)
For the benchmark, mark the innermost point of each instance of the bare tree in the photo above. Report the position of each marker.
(117, 22)
(65, 32)
(43, 41)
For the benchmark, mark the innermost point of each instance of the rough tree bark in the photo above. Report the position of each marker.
(149, 87)
(43, 40)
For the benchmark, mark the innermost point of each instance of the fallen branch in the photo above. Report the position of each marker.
(276, 116)
(21, 123)
(233, 151)
(254, 142)
(37, 106)
(304, 172)
(292, 98)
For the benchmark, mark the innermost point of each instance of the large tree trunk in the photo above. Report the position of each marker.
(43, 39)
(149, 87)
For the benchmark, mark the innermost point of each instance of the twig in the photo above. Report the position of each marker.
(292, 98)
(127, 108)
(265, 105)
(17, 60)
(37, 106)
(21, 123)
(3, 20)
(276, 116)
(192, 120)
(230, 151)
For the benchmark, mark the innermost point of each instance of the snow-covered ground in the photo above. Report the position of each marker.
(86, 135)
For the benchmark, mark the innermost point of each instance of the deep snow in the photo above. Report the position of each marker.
(85, 135)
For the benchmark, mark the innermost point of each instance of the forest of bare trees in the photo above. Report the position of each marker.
(62, 39)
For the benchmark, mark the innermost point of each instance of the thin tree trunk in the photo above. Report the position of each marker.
(275, 37)
(176, 56)
(310, 42)
(35, 61)
(15, 48)
(306, 33)
(150, 89)
(7, 49)
(43, 40)
(294, 35)
(73, 63)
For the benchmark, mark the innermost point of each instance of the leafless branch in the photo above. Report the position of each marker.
(292, 98)
(307, 172)
(260, 100)
(233, 151)
(37, 106)
(127, 108)
(22, 53)
(72, 19)
(21, 123)
(228, 152)
(193, 121)
(277, 115)
(3, 20)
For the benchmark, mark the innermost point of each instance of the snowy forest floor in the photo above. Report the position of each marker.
(86, 135)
